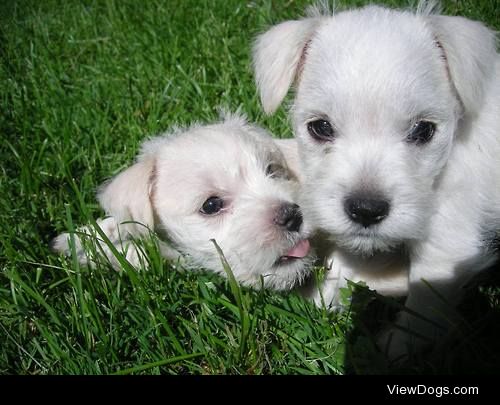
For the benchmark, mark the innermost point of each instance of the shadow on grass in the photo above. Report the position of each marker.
(472, 348)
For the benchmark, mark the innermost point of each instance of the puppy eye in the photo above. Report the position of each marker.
(275, 170)
(421, 132)
(212, 205)
(321, 130)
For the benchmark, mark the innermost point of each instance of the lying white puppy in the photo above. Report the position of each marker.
(397, 115)
(228, 182)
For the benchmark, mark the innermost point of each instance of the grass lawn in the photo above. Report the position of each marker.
(82, 83)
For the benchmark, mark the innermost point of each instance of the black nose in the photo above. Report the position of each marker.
(289, 216)
(366, 211)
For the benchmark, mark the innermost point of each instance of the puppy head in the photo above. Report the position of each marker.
(377, 107)
(227, 182)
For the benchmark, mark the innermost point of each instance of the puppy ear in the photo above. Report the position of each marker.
(470, 51)
(126, 196)
(277, 58)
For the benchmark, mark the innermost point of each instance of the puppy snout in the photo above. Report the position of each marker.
(366, 210)
(289, 216)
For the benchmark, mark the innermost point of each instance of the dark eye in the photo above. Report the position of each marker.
(421, 132)
(321, 130)
(212, 206)
(275, 170)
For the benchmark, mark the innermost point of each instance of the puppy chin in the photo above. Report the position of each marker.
(367, 245)
(271, 268)
(383, 238)
(286, 276)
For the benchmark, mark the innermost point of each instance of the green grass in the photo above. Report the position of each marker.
(82, 83)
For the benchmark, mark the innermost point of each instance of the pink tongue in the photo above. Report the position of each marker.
(301, 249)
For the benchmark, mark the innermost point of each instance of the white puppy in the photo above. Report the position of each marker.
(397, 116)
(228, 182)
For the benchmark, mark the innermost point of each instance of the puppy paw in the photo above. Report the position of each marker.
(395, 345)
(400, 345)
(96, 250)
(61, 243)
(331, 303)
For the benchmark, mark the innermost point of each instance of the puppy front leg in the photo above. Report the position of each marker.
(437, 278)
(326, 293)
(62, 243)
(119, 241)
(116, 234)
(134, 253)
(428, 317)
(387, 273)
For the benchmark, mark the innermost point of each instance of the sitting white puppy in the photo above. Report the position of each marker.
(229, 182)
(397, 116)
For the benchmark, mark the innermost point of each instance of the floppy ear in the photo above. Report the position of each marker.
(126, 196)
(470, 50)
(277, 57)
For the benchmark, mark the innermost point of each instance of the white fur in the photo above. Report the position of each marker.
(173, 177)
(275, 66)
(371, 72)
